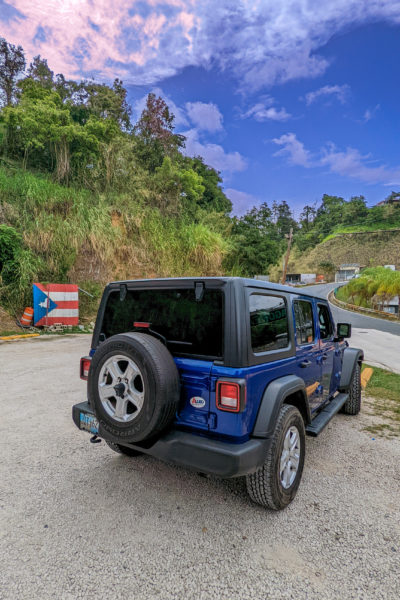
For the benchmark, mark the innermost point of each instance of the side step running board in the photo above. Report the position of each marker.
(326, 414)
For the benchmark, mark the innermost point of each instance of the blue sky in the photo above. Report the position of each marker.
(288, 100)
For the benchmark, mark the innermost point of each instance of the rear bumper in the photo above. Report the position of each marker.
(192, 451)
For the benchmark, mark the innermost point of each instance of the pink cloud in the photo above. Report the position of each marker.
(145, 41)
(116, 39)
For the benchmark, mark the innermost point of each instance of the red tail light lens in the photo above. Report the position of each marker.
(141, 325)
(84, 367)
(230, 396)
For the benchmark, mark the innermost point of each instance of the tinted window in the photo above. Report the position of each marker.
(268, 323)
(190, 327)
(304, 321)
(325, 323)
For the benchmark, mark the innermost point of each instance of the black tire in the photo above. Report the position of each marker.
(265, 486)
(160, 386)
(353, 404)
(119, 449)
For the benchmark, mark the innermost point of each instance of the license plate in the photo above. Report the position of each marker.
(88, 423)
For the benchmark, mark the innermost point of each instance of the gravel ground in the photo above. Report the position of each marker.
(79, 521)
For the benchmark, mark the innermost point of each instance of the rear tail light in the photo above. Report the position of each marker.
(84, 367)
(231, 396)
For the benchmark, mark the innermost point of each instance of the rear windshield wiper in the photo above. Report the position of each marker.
(147, 327)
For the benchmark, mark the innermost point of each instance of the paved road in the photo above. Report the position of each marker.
(379, 339)
(77, 521)
(357, 320)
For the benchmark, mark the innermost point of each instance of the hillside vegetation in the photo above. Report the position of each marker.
(367, 249)
(54, 233)
(372, 289)
(87, 196)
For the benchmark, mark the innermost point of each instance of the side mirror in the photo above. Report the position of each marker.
(343, 330)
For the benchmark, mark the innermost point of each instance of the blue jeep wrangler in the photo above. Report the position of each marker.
(223, 375)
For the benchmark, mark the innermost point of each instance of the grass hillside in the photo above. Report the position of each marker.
(366, 249)
(64, 234)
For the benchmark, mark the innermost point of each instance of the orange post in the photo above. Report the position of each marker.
(27, 317)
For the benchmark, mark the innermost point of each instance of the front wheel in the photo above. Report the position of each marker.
(353, 404)
(275, 484)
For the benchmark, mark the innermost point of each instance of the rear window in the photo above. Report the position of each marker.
(190, 327)
(268, 323)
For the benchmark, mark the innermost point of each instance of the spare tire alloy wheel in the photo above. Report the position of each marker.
(133, 388)
(121, 388)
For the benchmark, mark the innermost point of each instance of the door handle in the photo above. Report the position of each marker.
(305, 363)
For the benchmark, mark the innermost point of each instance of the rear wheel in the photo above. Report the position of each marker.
(123, 449)
(353, 404)
(275, 484)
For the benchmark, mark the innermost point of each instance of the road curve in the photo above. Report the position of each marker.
(357, 320)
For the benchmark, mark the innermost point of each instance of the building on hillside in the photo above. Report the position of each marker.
(297, 278)
(391, 306)
(347, 271)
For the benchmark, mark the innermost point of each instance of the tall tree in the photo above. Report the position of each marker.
(39, 71)
(256, 246)
(307, 217)
(12, 64)
(213, 197)
(107, 102)
(283, 218)
(155, 133)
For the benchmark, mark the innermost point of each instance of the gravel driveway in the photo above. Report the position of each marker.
(79, 521)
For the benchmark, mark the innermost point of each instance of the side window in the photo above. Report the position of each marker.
(268, 323)
(303, 314)
(325, 323)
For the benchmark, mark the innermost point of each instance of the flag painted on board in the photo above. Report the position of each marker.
(55, 303)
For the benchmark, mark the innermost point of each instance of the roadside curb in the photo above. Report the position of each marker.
(43, 337)
(368, 312)
(17, 336)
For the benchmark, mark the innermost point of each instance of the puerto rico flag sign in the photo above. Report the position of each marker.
(55, 303)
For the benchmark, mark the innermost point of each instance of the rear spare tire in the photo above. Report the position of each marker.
(133, 387)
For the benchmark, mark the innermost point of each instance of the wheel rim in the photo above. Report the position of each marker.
(290, 457)
(121, 388)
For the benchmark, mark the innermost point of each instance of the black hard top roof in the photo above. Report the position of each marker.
(246, 281)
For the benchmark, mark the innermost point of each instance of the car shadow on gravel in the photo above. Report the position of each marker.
(128, 478)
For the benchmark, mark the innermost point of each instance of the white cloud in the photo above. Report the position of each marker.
(264, 111)
(351, 163)
(206, 117)
(241, 201)
(293, 149)
(370, 113)
(213, 154)
(348, 163)
(341, 93)
(261, 42)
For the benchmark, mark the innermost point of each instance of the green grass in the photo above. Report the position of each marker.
(361, 227)
(383, 389)
(78, 236)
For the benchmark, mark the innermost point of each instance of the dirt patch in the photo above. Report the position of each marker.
(7, 323)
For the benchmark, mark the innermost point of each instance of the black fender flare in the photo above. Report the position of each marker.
(351, 356)
(274, 396)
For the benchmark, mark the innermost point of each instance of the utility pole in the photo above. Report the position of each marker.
(289, 238)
